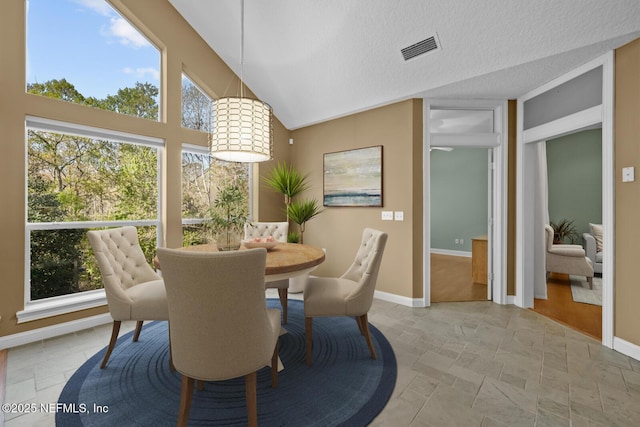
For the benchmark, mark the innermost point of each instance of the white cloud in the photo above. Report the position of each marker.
(118, 27)
(126, 33)
(99, 6)
(142, 72)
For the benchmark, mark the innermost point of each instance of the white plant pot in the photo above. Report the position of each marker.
(297, 283)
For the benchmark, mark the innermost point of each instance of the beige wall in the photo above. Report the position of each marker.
(398, 128)
(627, 195)
(182, 49)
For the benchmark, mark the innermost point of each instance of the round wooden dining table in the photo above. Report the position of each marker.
(284, 261)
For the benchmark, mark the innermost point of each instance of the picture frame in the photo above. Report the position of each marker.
(353, 177)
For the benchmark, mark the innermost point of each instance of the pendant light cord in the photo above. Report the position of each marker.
(241, 48)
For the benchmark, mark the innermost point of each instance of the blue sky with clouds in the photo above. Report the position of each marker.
(89, 44)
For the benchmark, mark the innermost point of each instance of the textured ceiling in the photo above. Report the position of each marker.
(316, 60)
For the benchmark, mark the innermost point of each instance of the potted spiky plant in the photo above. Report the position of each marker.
(287, 181)
(562, 230)
(302, 211)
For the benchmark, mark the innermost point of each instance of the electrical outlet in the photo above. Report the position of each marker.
(457, 241)
(462, 241)
(628, 174)
(398, 215)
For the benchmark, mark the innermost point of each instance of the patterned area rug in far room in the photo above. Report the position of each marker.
(581, 292)
(343, 387)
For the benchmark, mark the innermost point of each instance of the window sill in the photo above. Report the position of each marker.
(61, 305)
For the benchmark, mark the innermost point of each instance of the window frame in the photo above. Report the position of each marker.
(54, 306)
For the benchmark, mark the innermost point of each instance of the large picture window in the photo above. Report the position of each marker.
(81, 178)
(85, 52)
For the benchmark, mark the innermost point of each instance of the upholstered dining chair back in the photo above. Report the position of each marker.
(348, 295)
(122, 266)
(218, 321)
(279, 230)
(134, 291)
(364, 271)
(219, 324)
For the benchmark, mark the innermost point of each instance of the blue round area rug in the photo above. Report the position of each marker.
(343, 387)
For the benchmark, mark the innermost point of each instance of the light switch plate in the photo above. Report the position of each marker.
(387, 215)
(628, 174)
(398, 215)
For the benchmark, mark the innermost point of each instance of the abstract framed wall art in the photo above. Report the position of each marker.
(353, 177)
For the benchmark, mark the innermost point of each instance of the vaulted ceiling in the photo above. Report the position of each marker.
(314, 60)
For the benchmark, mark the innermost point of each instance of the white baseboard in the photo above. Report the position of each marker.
(626, 348)
(418, 302)
(39, 334)
(450, 252)
(399, 299)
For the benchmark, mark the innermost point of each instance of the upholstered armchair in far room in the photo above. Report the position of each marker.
(593, 246)
(279, 231)
(567, 259)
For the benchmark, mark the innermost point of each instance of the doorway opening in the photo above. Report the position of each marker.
(573, 176)
(460, 211)
(579, 100)
(464, 197)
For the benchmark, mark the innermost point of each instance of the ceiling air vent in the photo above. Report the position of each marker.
(425, 46)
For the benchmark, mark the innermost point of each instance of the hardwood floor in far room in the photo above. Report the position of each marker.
(451, 280)
(559, 305)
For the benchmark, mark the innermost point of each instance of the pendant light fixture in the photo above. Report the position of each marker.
(242, 127)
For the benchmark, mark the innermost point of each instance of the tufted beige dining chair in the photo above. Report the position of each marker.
(279, 231)
(134, 291)
(219, 324)
(349, 295)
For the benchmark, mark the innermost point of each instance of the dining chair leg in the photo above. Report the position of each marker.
(274, 367)
(172, 368)
(136, 334)
(367, 334)
(186, 393)
(112, 343)
(250, 383)
(284, 302)
(308, 326)
(359, 322)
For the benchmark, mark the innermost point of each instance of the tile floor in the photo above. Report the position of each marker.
(459, 364)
